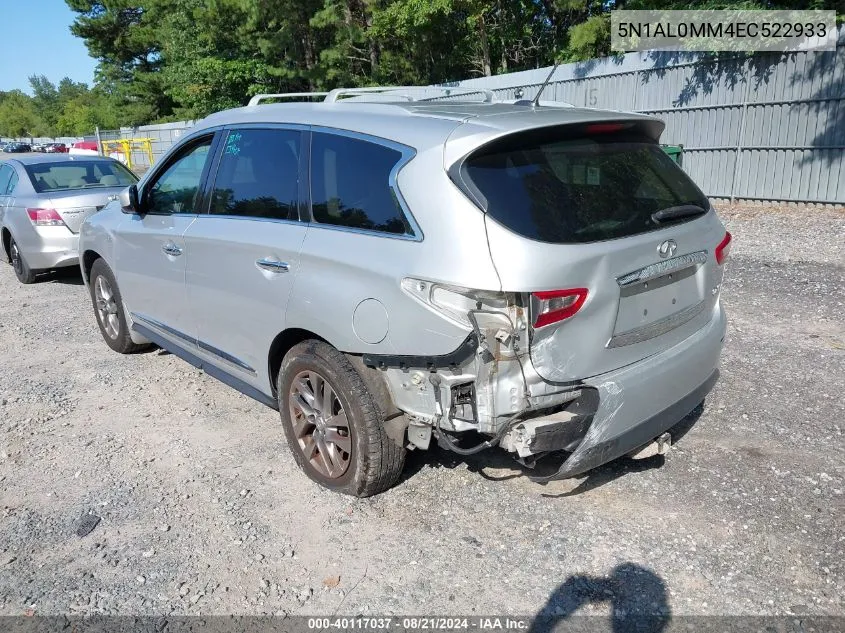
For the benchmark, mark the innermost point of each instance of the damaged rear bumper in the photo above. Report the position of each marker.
(595, 452)
(639, 402)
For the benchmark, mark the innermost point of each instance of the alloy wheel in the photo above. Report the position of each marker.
(106, 306)
(320, 424)
(17, 262)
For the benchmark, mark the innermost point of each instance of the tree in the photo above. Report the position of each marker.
(17, 115)
(166, 59)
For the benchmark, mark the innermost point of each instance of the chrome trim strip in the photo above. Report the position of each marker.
(226, 357)
(661, 268)
(661, 326)
(161, 326)
(250, 218)
(654, 283)
(189, 339)
(213, 371)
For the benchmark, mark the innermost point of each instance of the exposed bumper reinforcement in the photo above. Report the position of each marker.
(589, 455)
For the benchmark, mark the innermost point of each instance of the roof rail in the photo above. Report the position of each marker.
(337, 93)
(284, 95)
(489, 95)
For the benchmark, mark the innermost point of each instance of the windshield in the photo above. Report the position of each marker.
(556, 188)
(79, 174)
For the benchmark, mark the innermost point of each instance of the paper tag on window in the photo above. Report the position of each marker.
(593, 175)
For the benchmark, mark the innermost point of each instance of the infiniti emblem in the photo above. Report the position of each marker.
(667, 248)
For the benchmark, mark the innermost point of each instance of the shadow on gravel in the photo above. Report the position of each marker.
(637, 597)
(70, 276)
(496, 459)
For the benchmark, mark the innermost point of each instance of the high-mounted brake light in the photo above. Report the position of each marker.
(45, 217)
(723, 249)
(552, 306)
(604, 128)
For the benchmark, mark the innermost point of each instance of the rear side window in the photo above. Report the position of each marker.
(13, 182)
(350, 184)
(5, 176)
(560, 189)
(258, 175)
(78, 174)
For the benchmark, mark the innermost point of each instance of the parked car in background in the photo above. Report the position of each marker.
(384, 273)
(85, 148)
(16, 148)
(38, 147)
(43, 202)
(55, 148)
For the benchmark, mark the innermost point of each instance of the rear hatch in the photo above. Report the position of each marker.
(612, 240)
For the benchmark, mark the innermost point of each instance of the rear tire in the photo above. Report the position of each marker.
(22, 270)
(108, 310)
(334, 428)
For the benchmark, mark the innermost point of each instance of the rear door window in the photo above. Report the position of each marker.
(5, 176)
(350, 184)
(555, 188)
(258, 175)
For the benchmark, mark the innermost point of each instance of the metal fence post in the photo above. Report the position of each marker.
(738, 157)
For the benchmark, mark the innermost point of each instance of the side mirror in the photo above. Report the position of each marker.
(129, 202)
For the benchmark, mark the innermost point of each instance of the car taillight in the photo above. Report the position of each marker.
(552, 306)
(45, 217)
(723, 249)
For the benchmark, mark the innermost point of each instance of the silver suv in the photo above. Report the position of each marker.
(387, 272)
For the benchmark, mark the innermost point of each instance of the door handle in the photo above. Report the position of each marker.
(273, 265)
(171, 249)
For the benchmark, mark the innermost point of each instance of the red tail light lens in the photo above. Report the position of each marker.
(552, 306)
(723, 249)
(45, 217)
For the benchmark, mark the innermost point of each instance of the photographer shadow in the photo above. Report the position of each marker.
(637, 597)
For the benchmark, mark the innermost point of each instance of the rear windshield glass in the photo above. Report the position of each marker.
(79, 174)
(561, 189)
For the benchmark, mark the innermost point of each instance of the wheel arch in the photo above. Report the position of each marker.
(88, 258)
(280, 346)
(5, 241)
(290, 337)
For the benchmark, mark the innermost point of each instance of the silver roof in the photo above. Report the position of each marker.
(420, 125)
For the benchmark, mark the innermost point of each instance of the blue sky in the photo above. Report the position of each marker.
(54, 53)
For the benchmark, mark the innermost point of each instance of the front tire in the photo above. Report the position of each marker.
(108, 309)
(22, 270)
(334, 427)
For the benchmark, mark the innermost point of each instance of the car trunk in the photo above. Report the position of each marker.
(573, 210)
(76, 205)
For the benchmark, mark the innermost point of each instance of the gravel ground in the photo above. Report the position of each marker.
(203, 510)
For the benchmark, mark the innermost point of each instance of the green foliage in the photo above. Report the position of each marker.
(183, 59)
(18, 116)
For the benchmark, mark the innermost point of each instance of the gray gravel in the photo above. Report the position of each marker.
(202, 510)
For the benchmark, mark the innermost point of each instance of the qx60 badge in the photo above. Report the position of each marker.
(667, 248)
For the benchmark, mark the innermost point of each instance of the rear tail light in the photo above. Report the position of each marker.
(454, 302)
(552, 306)
(723, 249)
(45, 217)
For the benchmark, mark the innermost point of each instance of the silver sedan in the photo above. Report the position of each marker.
(43, 201)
